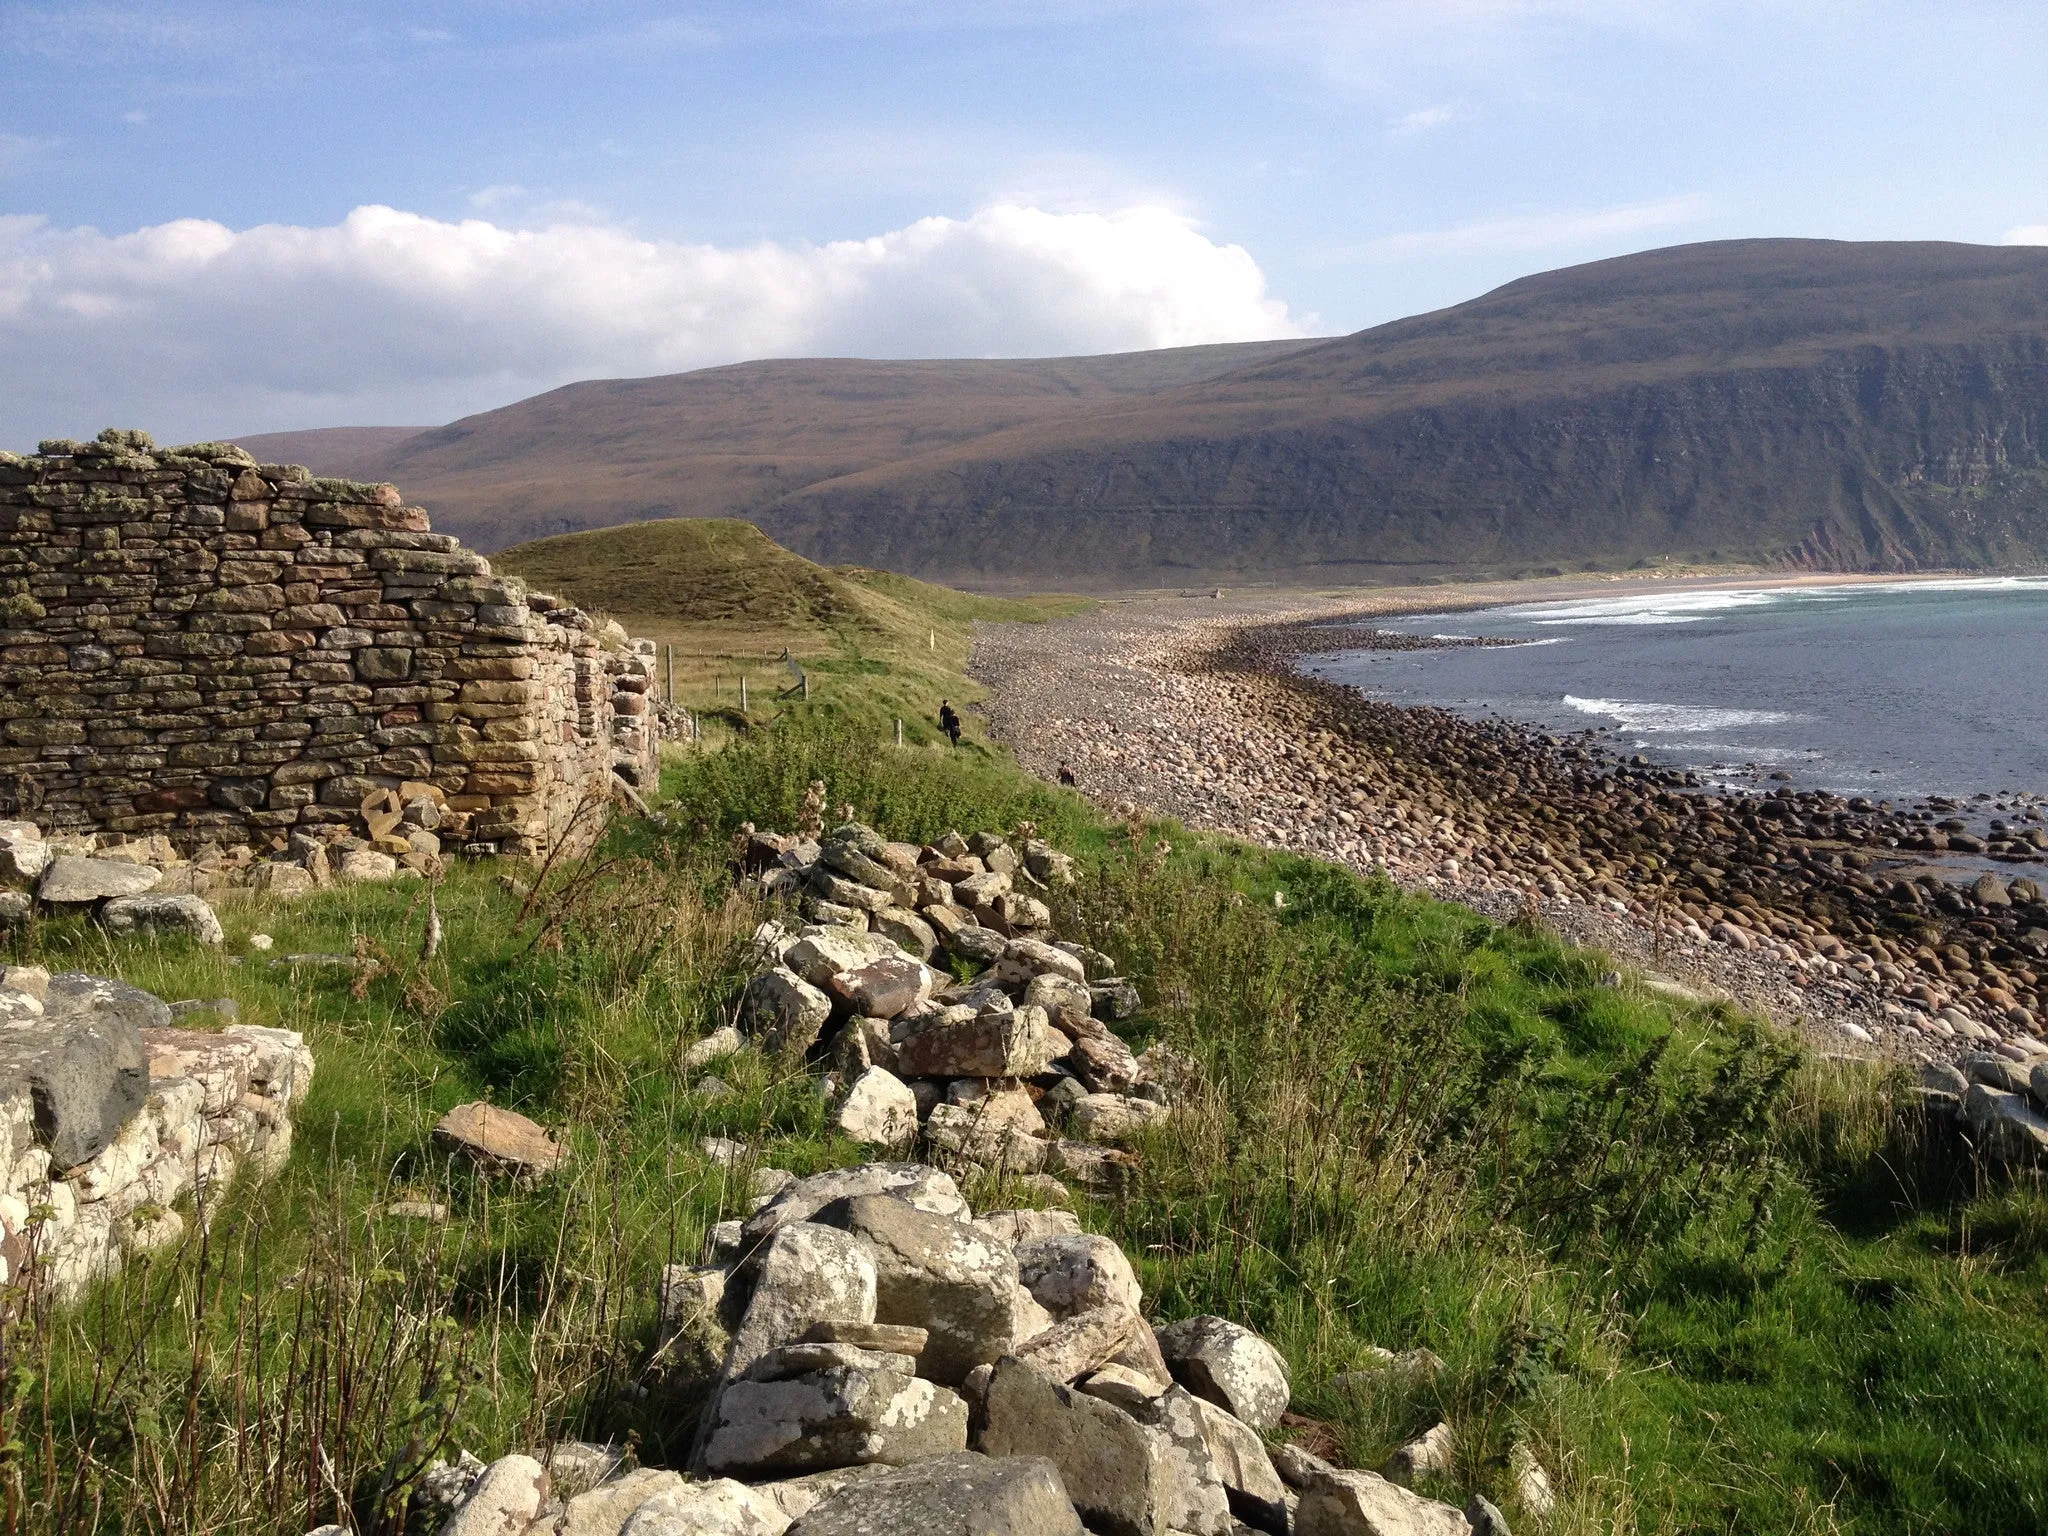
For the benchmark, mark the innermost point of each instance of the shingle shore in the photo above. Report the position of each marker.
(1194, 708)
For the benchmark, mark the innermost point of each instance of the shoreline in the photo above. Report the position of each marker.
(1468, 596)
(1786, 902)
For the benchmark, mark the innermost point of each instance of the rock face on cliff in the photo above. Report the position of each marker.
(1801, 403)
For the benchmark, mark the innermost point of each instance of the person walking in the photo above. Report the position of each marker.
(949, 722)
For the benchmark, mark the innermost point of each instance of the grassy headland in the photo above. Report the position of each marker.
(1713, 1286)
(725, 600)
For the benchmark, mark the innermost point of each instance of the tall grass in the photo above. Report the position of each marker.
(1712, 1285)
(306, 1352)
(300, 1362)
(1412, 1127)
(916, 792)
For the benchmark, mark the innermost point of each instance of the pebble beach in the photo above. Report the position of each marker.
(1835, 917)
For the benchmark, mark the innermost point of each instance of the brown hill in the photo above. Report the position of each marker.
(353, 453)
(1804, 403)
(1797, 402)
(732, 441)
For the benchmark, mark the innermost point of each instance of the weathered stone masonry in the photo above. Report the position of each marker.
(196, 644)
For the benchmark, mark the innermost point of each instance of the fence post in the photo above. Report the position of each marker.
(899, 730)
(743, 693)
(807, 687)
(668, 655)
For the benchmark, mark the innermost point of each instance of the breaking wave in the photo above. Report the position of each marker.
(1633, 715)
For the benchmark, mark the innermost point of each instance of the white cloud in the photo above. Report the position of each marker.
(1423, 119)
(190, 327)
(1538, 231)
(2025, 234)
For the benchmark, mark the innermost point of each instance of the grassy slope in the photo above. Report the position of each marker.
(724, 600)
(1794, 1353)
(1710, 1303)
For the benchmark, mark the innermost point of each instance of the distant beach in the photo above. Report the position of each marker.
(1814, 905)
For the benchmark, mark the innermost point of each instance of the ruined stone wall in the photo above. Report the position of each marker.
(196, 644)
(114, 1119)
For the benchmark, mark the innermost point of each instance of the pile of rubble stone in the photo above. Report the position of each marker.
(886, 1360)
(992, 1069)
(112, 1114)
(145, 885)
(878, 1357)
(1999, 1098)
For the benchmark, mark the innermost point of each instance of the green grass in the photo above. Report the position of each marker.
(1716, 1288)
(725, 601)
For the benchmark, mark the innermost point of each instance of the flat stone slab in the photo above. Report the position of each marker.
(71, 880)
(499, 1140)
(895, 1338)
(962, 1494)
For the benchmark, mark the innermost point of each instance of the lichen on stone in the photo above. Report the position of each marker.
(215, 453)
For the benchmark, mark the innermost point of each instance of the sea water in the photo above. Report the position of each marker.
(1896, 690)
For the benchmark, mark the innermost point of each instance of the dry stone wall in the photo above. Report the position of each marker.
(198, 645)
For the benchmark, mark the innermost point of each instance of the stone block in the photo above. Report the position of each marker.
(1344, 1503)
(959, 1494)
(805, 1272)
(1230, 1366)
(924, 1187)
(1119, 1473)
(938, 1273)
(186, 916)
(83, 1062)
(383, 664)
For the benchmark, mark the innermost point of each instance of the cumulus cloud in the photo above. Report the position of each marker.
(2026, 234)
(192, 328)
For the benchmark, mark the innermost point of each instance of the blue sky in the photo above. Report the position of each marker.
(223, 217)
